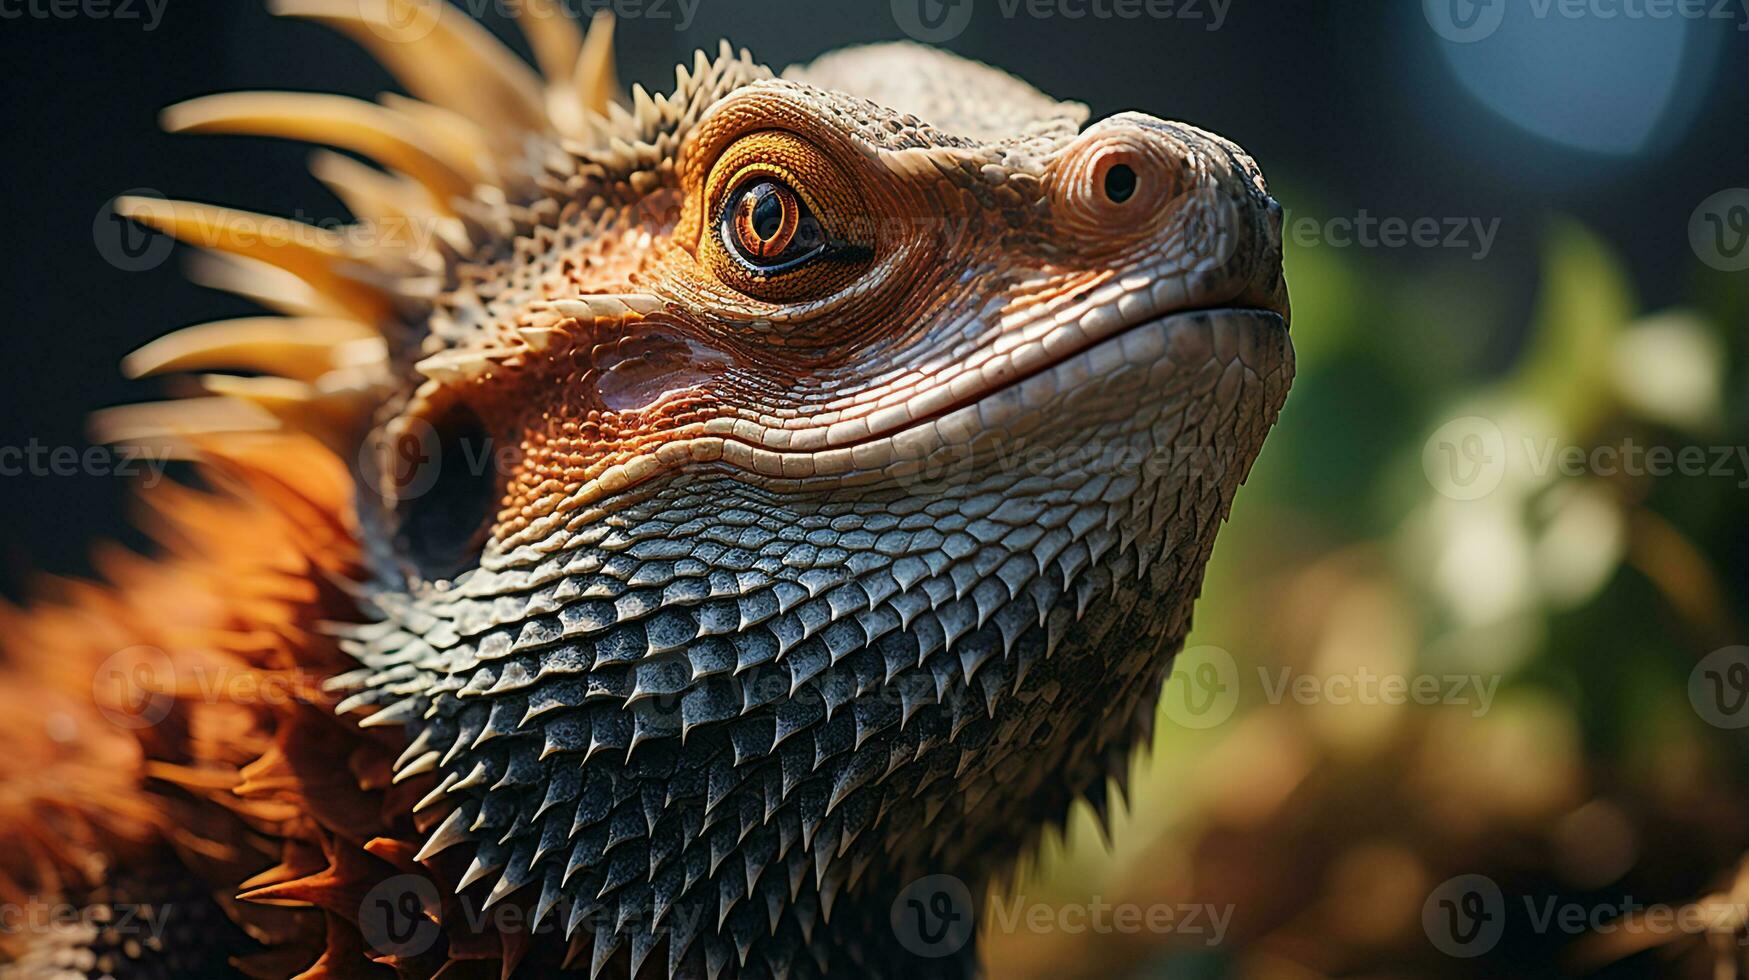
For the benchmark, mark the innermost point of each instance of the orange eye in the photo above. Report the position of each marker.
(768, 228)
(765, 219)
(780, 222)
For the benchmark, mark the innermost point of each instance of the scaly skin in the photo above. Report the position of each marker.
(783, 589)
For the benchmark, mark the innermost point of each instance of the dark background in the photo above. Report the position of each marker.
(1346, 105)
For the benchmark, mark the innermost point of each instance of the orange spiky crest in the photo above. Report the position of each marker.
(173, 717)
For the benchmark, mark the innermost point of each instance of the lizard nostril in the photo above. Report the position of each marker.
(1118, 188)
(1120, 183)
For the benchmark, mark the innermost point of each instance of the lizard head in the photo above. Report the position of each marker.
(794, 486)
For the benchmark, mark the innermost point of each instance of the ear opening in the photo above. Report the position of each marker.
(446, 487)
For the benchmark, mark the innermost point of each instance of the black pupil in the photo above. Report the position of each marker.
(767, 212)
(1120, 183)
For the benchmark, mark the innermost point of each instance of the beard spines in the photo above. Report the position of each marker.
(841, 710)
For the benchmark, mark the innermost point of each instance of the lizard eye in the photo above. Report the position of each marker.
(767, 227)
(782, 222)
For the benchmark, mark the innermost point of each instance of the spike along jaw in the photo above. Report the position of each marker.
(773, 497)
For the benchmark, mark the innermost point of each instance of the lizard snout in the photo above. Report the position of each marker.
(1138, 194)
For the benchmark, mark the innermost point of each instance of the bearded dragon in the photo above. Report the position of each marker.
(672, 532)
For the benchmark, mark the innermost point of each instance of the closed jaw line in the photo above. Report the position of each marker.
(1187, 340)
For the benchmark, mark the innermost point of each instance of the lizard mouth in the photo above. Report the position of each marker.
(1096, 326)
(1179, 343)
(1237, 329)
(1045, 346)
(1262, 317)
(1148, 358)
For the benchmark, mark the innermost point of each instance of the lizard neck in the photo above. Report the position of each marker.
(756, 721)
